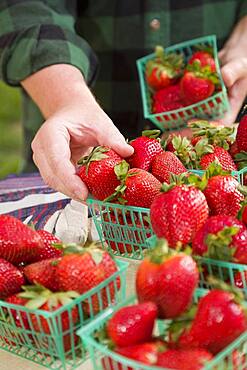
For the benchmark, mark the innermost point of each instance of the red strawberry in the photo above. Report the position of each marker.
(43, 299)
(222, 156)
(164, 69)
(241, 137)
(11, 279)
(244, 215)
(240, 279)
(223, 196)
(48, 240)
(233, 150)
(192, 359)
(98, 168)
(146, 147)
(178, 213)
(169, 145)
(18, 242)
(84, 271)
(166, 163)
(222, 237)
(132, 325)
(198, 83)
(138, 187)
(168, 279)
(203, 58)
(218, 322)
(20, 317)
(146, 353)
(43, 273)
(167, 99)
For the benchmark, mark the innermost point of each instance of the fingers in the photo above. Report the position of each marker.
(52, 157)
(234, 70)
(110, 136)
(237, 94)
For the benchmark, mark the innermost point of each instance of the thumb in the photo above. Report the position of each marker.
(234, 70)
(110, 136)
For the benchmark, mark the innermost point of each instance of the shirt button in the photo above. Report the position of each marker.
(155, 24)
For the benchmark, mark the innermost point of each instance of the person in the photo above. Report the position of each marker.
(56, 50)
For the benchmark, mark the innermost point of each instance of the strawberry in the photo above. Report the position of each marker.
(138, 187)
(43, 273)
(164, 69)
(167, 278)
(223, 238)
(11, 279)
(240, 279)
(84, 270)
(178, 213)
(166, 163)
(191, 359)
(20, 317)
(204, 59)
(49, 251)
(223, 157)
(146, 353)
(167, 99)
(18, 242)
(223, 196)
(244, 215)
(41, 298)
(219, 320)
(132, 325)
(97, 171)
(146, 148)
(241, 137)
(169, 146)
(233, 150)
(198, 83)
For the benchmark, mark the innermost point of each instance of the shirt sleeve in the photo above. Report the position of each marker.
(36, 34)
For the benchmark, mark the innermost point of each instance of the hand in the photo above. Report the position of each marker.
(233, 59)
(75, 124)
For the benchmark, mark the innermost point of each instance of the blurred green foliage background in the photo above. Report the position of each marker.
(10, 130)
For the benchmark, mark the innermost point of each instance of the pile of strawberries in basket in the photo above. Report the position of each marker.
(38, 272)
(175, 85)
(195, 333)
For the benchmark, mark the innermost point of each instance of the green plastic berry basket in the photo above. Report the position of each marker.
(234, 357)
(124, 230)
(223, 270)
(58, 349)
(212, 108)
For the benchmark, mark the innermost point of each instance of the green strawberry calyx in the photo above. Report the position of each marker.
(97, 154)
(203, 72)
(152, 134)
(122, 172)
(184, 151)
(171, 63)
(216, 134)
(219, 244)
(241, 159)
(37, 296)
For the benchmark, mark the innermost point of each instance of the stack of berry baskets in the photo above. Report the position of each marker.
(212, 107)
(49, 338)
(234, 356)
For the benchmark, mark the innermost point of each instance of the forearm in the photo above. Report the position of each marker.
(56, 87)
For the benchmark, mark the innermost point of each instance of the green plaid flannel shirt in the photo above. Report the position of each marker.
(103, 38)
